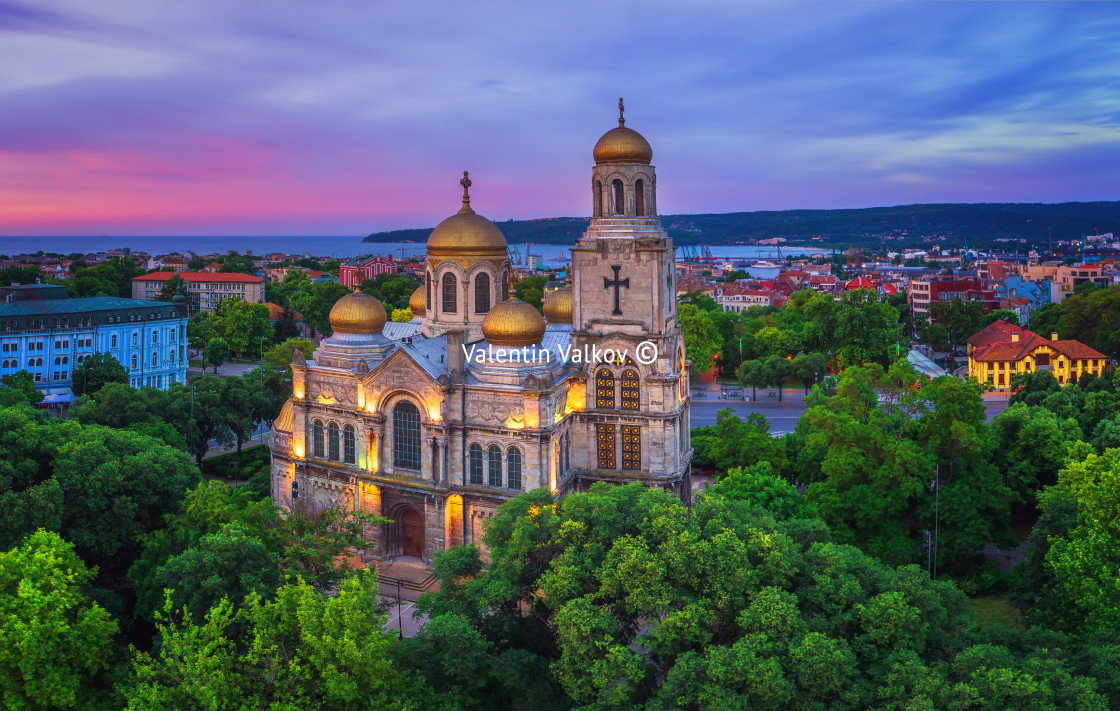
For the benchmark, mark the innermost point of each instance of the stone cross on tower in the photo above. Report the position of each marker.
(616, 283)
(466, 183)
(621, 109)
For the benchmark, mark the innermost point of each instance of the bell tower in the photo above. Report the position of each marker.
(624, 299)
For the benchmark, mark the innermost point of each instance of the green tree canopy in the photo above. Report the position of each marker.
(96, 371)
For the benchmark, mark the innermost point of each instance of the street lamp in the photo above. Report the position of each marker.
(260, 391)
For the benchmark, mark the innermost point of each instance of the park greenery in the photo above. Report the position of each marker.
(846, 565)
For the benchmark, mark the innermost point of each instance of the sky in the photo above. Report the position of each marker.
(338, 117)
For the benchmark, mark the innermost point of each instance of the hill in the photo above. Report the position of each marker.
(979, 224)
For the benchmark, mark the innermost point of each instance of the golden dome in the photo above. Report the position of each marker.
(513, 323)
(418, 302)
(622, 145)
(283, 421)
(358, 313)
(467, 234)
(558, 306)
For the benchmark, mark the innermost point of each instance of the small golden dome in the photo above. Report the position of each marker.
(418, 302)
(467, 234)
(358, 313)
(513, 323)
(623, 145)
(283, 421)
(558, 306)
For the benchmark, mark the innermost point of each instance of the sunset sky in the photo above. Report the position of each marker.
(220, 117)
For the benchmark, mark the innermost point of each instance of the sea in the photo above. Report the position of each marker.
(337, 246)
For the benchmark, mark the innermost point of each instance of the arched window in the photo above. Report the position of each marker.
(640, 197)
(567, 451)
(348, 444)
(604, 446)
(604, 389)
(513, 467)
(66, 360)
(332, 441)
(317, 438)
(598, 198)
(134, 362)
(631, 448)
(57, 361)
(450, 297)
(505, 286)
(155, 359)
(428, 288)
(631, 397)
(172, 356)
(494, 465)
(406, 436)
(619, 198)
(481, 293)
(295, 489)
(476, 464)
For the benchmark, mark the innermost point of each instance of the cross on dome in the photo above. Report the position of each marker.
(466, 183)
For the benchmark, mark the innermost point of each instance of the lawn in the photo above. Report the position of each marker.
(994, 611)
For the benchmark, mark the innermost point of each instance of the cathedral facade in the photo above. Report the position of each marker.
(433, 424)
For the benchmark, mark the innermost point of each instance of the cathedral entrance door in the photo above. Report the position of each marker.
(412, 533)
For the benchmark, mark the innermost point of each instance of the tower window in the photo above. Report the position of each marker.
(640, 198)
(494, 465)
(619, 198)
(317, 438)
(505, 286)
(598, 198)
(631, 447)
(604, 389)
(604, 444)
(406, 436)
(332, 441)
(481, 293)
(631, 399)
(348, 444)
(513, 467)
(450, 300)
(476, 464)
(427, 288)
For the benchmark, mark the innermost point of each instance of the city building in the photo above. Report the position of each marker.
(353, 272)
(1002, 350)
(1067, 278)
(433, 424)
(48, 334)
(204, 290)
(925, 291)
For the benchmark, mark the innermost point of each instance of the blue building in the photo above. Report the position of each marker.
(48, 334)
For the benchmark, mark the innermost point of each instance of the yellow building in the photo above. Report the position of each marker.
(1002, 350)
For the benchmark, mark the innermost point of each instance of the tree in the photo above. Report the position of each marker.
(1084, 562)
(777, 370)
(392, 290)
(285, 326)
(96, 371)
(229, 564)
(197, 412)
(121, 406)
(753, 374)
(170, 288)
(402, 315)
(1045, 319)
(237, 264)
(809, 368)
(531, 290)
(239, 404)
(305, 649)
(315, 302)
(1031, 445)
(701, 338)
(999, 315)
(54, 642)
(733, 442)
(217, 352)
(241, 325)
(23, 382)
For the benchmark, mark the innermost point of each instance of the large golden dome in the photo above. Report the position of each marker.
(418, 302)
(466, 234)
(358, 313)
(513, 323)
(558, 306)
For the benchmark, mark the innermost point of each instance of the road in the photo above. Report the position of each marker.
(783, 416)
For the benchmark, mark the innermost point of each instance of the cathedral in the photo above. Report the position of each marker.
(435, 423)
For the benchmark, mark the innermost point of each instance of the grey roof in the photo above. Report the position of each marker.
(88, 305)
(395, 331)
(427, 353)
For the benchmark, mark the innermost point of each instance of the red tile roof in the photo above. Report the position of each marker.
(995, 343)
(201, 276)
